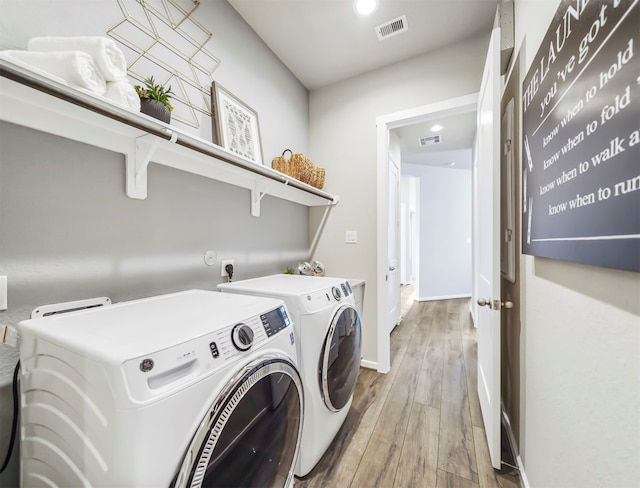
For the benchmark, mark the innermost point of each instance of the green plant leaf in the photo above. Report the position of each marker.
(155, 91)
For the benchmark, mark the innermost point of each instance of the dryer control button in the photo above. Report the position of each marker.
(242, 337)
(337, 294)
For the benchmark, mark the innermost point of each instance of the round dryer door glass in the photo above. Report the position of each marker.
(340, 358)
(251, 434)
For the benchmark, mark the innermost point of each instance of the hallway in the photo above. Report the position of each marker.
(419, 425)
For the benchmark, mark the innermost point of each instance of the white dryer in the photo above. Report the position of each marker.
(329, 351)
(197, 388)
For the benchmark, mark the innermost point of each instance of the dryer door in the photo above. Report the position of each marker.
(340, 358)
(250, 436)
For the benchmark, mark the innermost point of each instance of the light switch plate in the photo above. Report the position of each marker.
(351, 237)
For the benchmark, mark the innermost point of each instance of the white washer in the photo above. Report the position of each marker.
(197, 388)
(329, 351)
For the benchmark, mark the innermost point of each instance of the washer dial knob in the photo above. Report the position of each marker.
(242, 337)
(337, 294)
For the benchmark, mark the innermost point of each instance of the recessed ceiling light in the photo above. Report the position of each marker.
(436, 128)
(365, 7)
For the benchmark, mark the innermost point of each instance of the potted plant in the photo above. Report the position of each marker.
(154, 100)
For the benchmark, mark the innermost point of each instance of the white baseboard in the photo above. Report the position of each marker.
(369, 364)
(524, 482)
(443, 297)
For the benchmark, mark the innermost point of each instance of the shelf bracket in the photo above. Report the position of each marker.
(138, 161)
(320, 228)
(256, 196)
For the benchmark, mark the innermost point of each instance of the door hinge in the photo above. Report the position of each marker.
(508, 233)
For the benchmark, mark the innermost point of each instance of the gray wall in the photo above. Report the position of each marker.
(445, 231)
(343, 139)
(67, 230)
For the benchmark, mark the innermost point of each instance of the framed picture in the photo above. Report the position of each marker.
(236, 125)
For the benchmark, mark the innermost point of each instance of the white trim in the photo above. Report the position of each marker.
(443, 297)
(453, 106)
(383, 355)
(524, 482)
(369, 364)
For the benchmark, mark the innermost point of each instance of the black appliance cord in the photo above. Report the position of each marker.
(14, 423)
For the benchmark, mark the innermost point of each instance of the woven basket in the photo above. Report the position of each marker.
(298, 166)
(286, 166)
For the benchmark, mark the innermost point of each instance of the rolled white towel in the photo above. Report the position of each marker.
(6, 55)
(123, 93)
(106, 53)
(74, 67)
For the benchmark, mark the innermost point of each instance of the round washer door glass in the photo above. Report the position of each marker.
(251, 435)
(340, 358)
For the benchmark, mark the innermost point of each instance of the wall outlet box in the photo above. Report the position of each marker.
(223, 265)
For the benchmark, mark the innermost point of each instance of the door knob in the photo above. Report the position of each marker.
(391, 268)
(488, 303)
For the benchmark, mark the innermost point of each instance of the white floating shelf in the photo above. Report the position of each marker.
(32, 100)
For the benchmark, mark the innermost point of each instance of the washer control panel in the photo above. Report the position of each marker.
(275, 321)
(163, 370)
(241, 337)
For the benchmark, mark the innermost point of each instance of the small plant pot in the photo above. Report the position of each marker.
(155, 109)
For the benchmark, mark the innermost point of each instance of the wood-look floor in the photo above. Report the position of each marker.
(419, 425)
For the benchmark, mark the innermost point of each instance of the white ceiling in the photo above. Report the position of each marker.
(457, 136)
(325, 41)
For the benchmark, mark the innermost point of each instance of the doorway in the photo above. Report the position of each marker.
(385, 124)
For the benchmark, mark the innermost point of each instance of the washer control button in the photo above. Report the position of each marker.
(214, 350)
(242, 337)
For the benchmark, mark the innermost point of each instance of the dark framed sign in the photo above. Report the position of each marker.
(581, 137)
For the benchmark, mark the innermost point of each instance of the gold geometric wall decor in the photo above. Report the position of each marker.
(162, 40)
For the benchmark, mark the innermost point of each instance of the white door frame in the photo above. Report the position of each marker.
(384, 123)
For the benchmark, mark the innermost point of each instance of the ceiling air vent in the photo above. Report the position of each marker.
(429, 140)
(392, 27)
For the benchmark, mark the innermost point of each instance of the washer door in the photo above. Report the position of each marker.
(340, 358)
(250, 436)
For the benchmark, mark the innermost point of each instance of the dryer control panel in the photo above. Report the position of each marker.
(315, 301)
